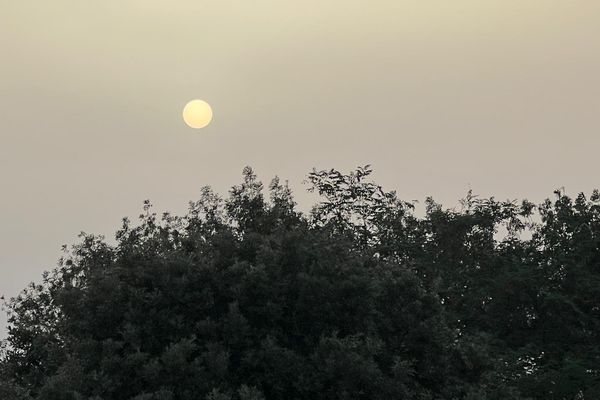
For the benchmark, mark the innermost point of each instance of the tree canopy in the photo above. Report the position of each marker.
(246, 298)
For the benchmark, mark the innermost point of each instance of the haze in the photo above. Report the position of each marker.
(498, 96)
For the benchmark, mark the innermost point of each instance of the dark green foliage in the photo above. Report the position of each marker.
(248, 299)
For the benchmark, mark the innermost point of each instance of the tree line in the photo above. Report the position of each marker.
(246, 298)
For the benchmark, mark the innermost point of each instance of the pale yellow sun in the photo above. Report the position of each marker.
(197, 114)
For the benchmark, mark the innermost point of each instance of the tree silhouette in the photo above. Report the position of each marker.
(246, 298)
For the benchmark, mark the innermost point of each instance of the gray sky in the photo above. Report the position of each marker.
(501, 96)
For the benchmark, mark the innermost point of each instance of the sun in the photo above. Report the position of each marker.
(197, 114)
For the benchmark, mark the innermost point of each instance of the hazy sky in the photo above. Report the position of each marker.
(501, 96)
